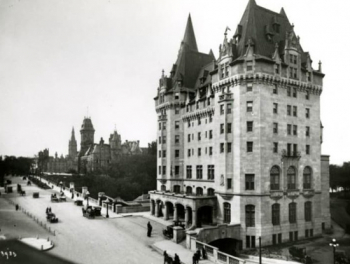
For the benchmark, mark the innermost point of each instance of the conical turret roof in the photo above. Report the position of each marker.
(189, 37)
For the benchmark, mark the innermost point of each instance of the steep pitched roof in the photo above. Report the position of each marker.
(189, 37)
(256, 23)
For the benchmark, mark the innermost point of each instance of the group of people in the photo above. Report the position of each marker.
(48, 210)
(197, 255)
(170, 260)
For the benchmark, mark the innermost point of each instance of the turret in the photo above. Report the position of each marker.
(72, 147)
(87, 133)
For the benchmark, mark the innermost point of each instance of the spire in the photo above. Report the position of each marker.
(189, 37)
(73, 134)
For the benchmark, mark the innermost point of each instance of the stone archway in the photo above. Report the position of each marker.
(227, 245)
(153, 207)
(204, 216)
(180, 212)
(158, 208)
(169, 210)
(188, 216)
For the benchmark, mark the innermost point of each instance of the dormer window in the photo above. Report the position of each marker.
(293, 58)
(177, 96)
(222, 69)
(226, 69)
(308, 76)
(249, 65)
(277, 68)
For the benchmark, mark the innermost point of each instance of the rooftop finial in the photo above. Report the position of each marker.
(162, 73)
(320, 66)
(227, 29)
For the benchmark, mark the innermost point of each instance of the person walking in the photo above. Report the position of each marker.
(177, 259)
(194, 258)
(165, 257)
(204, 253)
(198, 253)
(149, 229)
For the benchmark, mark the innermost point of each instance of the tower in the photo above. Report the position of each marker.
(72, 146)
(87, 133)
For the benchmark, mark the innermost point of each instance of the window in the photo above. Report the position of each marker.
(222, 109)
(160, 140)
(176, 188)
(210, 118)
(222, 70)
(177, 124)
(307, 95)
(277, 68)
(308, 211)
(199, 151)
(249, 146)
(289, 149)
(289, 110)
(164, 125)
(188, 190)
(227, 213)
(199, 136)
(177, 170)
(275, 214)
(189, 153)
(177, 96)
(211, 192)
(250, 126)
(249, 65)
(307, 131)
(197, 105)
(275, 178)
(295, 130)
(250, 215)
(192, 136)
(250, 241)
(177, 110)
(307, 178)
(249, 181)
(289, 91)
(291, 178)
(229, 183)
(163, 188)
(222, 129)
(275, 108)
(222, 147)
(199, 121)
(189, 172)
(289, 129)
(275, 128)
(292, 213)
(295, 92)
(164, 153)
(307, 150)
(295, 150)
(160, 154)
(226, 69)
(210, 151)
(206, 134)
(293, 58)
(249, 87)
(275, 88)
(293, 73)
(229, 147)
(275, 147)
(164, 170)
(295, 111)
(188, 124)
(307, 112)
(164, 139)
(211, 172)
(229, 108)
(199, 174)
(177, 139)
(177, 153)
(250, 106)
(189, 138)
(208, 101)
(229, 128)
(160, 126)
(199, 191)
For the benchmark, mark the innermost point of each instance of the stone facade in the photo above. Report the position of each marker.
(244, 131)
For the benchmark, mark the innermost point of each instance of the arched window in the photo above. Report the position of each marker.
(275, 178)
(249, 215)
(308, 211)
(188, 190)
(276, 214)
(291, 178)
(292, 213)
(211, 192)
(163, 188)
(176, 188)
(199, 191)
(227, 213)
(307, 178)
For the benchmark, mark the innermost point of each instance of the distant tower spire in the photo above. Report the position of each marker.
(72, 146)
(189, 37)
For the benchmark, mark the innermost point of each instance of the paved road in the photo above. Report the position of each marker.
(99, 240)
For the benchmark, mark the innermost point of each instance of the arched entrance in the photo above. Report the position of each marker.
(153, 207)
(188, 216)
(204, 216)
(169, 210)
(180, 212)
(227, 245)
(159, 208)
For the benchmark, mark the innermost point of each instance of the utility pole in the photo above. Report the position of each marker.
(260, 250)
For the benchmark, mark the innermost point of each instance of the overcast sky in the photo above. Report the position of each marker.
(60, 58)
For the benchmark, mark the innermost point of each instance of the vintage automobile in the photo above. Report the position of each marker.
(88, 212)
(51, 217)
(54, 198)
(36, 195)
(168, 231)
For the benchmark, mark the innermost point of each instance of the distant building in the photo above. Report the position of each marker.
(239, 137)
(92, 156)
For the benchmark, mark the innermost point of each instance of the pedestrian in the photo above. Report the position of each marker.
(47, 210)
(204, 253)
(194, 258)
(198, 255)
(17, 207)
(165, 257)
(72, 195)
(50, 210)
(149, 229)
(177, 259)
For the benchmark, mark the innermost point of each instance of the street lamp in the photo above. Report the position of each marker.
(334, 244)
(61, 183)
(107, 202)
(87, 198)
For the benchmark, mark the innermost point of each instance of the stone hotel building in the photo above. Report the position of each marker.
(239, 136)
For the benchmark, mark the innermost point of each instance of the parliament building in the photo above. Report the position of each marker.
(239, 136)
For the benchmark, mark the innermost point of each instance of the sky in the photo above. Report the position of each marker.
(63, 60)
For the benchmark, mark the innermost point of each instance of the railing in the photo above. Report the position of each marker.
(222, 257)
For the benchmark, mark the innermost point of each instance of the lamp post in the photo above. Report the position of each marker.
(260, 250)
(334, 244)
(61, 183)
(107, 203)
(87, 198)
